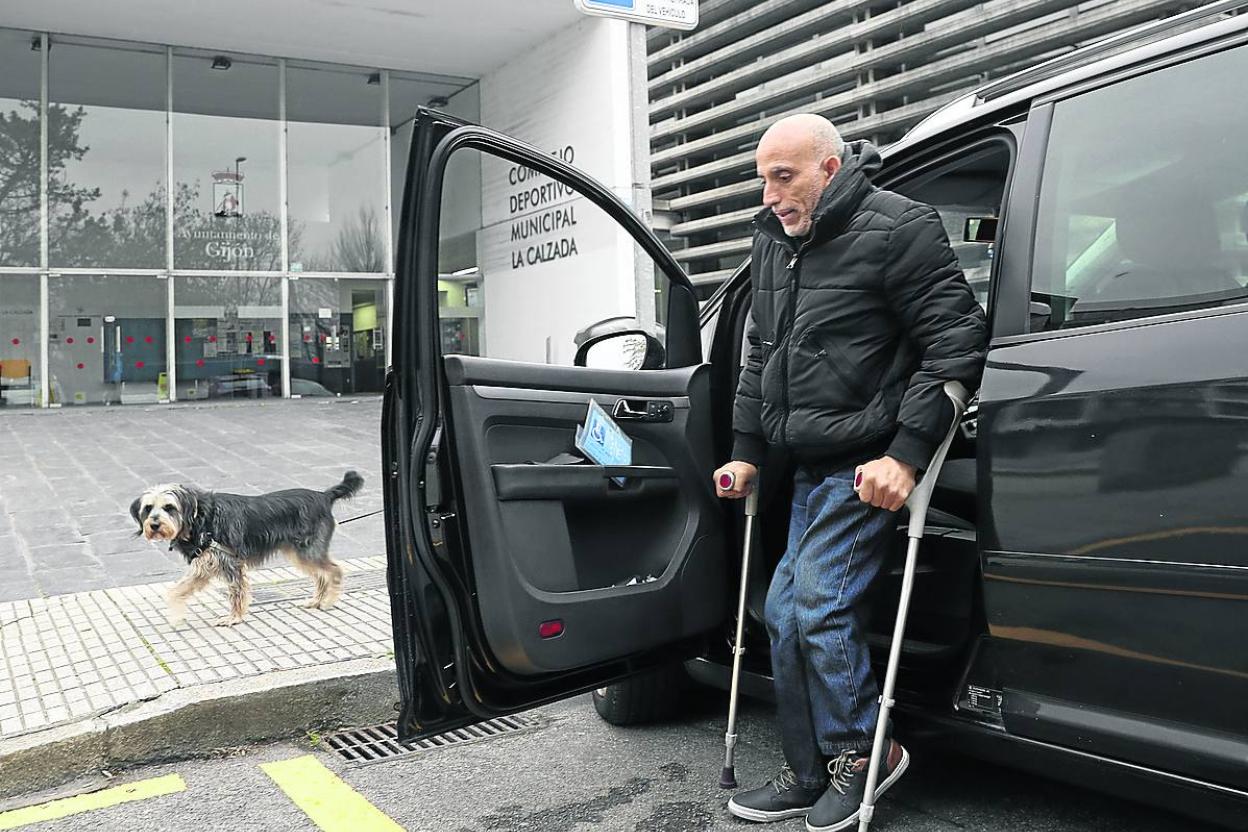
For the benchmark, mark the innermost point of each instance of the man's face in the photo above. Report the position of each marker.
(794, 177)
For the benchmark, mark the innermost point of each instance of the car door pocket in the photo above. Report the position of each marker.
(581, 482)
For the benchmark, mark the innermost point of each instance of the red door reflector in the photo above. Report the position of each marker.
(550, 629)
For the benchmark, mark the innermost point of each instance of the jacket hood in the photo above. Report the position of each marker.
(860, 162)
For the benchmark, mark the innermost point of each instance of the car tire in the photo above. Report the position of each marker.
(649, 697)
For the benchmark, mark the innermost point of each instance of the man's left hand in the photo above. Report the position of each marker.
(884, 483)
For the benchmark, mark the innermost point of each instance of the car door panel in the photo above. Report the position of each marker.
(555, 542)
(1130, 605)
(1110, 458)
(518, 574)
(425, 629)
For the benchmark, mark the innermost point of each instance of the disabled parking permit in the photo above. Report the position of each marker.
(602, 440)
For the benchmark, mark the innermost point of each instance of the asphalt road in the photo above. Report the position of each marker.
(575, 772)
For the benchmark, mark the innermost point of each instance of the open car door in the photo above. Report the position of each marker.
(518, 574)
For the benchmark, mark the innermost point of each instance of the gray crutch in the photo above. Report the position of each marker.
(918, 501)
(728, 778)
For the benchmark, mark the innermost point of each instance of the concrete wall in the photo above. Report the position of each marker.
(874, 69)
(571, 97)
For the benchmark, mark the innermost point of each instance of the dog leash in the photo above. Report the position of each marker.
(361, 517)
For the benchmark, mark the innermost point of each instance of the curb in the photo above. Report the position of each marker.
(201, 720)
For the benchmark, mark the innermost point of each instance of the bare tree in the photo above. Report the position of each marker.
(19, 182)
(360, 246)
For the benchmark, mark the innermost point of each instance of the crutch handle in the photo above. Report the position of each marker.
(728, 481)
(921, 496)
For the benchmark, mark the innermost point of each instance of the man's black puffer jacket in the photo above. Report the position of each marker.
(855, 329)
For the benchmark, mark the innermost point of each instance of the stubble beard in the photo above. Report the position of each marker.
(810, 203)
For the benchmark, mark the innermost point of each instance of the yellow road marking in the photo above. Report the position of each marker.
(330, 803)
(142, 790)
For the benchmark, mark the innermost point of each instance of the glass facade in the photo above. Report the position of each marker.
(20, 121)
(337, 166)
(20, 336)
(196, 225)
(106, 158)
(337, 336)
(106, 339)
(227, 337)
(226, 165)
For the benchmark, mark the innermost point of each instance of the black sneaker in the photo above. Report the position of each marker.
(838, 808)
(782, 798)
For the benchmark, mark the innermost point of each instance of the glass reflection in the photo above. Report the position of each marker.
(20, 68)
(227, 332)
(226, 201)
(106, 192)
(336, 168)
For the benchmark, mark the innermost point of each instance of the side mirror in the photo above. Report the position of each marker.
(629, 349)
(980, 230)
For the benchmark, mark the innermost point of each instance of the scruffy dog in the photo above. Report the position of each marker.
(223, 535)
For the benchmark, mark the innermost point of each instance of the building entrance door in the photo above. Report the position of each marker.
(337, 336)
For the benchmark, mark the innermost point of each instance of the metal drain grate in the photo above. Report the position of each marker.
(378, 743)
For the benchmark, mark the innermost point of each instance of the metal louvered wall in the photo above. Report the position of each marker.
(874, 68)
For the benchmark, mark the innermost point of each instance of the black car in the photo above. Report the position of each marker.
(1081, 605)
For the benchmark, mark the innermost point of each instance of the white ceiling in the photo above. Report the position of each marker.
(466, 38)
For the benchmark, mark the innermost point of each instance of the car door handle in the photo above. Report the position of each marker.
(643, 410)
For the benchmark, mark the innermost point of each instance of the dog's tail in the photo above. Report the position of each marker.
(351, 483)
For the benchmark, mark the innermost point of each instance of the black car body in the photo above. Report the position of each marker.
(1081, 604)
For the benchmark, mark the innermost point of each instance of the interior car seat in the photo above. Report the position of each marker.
(1174, 251)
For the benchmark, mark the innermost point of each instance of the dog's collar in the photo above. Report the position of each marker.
(194, 551)
(206, 540)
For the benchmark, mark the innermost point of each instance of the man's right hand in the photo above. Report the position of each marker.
(744, 473)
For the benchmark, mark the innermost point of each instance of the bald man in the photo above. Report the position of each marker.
(860, 314)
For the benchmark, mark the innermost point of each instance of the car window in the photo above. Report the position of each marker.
(972, 187)
(1142, 206)
(529, 268)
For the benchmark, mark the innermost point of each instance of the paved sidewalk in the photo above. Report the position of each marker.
(67, 478)
(76, 656)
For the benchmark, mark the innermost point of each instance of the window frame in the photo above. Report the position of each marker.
(1018, 274)
(682, 341)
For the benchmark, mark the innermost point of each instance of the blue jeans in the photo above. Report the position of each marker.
(826, 695)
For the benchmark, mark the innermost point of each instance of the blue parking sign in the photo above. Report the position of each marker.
(673, 14)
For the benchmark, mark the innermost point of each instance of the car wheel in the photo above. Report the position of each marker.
(650, 697)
